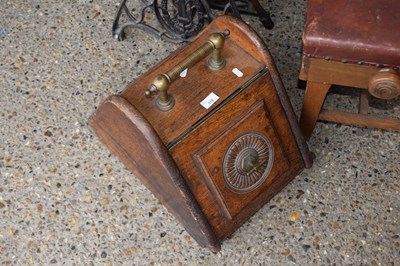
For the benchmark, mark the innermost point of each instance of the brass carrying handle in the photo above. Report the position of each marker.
(160, 84)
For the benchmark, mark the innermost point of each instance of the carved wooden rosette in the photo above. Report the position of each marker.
(247, 162)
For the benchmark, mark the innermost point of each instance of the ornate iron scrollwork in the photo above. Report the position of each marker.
(247, 7)
(181, 20)
(137, 21)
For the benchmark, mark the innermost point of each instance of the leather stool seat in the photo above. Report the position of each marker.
(357, 31)
(355, 44)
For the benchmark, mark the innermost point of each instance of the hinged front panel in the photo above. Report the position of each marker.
(237, 164)
(239, 157)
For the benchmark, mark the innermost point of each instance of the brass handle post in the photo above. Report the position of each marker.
(160, 84)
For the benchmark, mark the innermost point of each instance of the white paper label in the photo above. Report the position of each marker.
(183, 73)
(209, 100)
(237, 72)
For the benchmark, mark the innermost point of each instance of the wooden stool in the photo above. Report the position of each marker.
(355, 44)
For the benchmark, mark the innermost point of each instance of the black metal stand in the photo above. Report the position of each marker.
(247, 7)
(181, 20)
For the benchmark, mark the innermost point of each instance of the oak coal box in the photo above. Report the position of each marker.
(209, 130)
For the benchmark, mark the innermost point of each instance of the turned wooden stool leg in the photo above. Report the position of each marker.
(364, 102)
(313, 100)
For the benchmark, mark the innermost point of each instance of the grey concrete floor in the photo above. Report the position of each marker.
(64, 200)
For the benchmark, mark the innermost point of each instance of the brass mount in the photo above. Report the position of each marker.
(160, 84)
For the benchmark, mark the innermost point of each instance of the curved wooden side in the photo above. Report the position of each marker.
(247, 38)
(132, 139)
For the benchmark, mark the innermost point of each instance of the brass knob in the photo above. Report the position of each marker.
(249, 163)
(385, 84)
